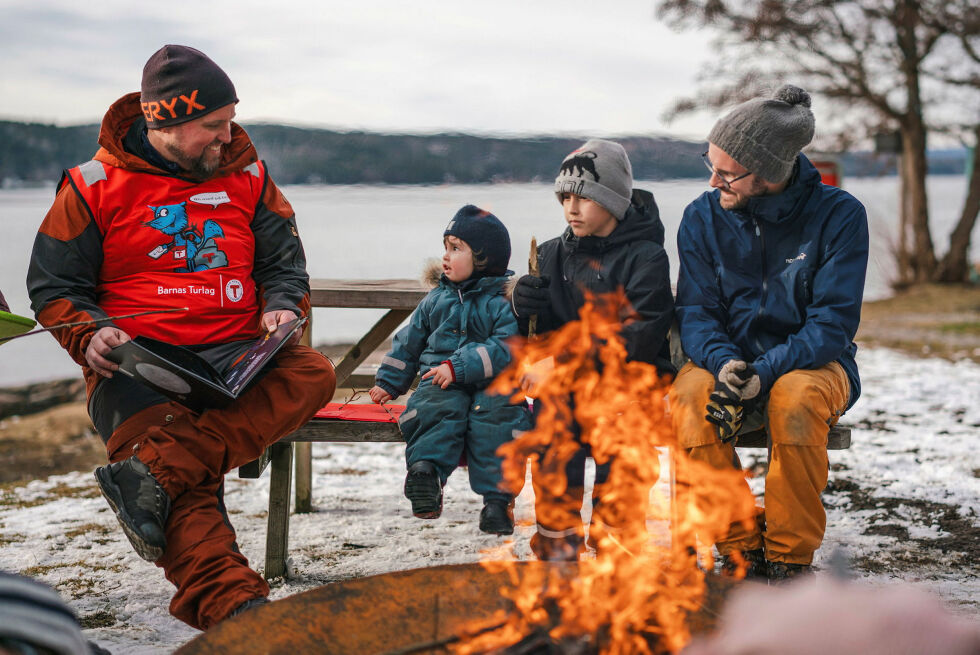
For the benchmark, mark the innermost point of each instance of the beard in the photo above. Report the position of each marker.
(730, 201)
(202, 167)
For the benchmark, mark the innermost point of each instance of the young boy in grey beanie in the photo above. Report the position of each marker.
(614, 240)
(772, 266)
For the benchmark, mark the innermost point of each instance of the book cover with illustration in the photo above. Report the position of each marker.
(187, 378)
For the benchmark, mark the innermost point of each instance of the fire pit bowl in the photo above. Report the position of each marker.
(388, 613)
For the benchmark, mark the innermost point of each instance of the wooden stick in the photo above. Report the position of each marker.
(92, 321)
(532, 268)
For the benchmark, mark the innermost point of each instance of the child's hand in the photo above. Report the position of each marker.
(379, 395)
(441, 375)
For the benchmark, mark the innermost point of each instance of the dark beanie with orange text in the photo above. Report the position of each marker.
(181, 84)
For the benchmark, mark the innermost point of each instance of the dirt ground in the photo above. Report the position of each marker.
(928, 321)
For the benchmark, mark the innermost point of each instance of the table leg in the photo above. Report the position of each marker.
(277, 531)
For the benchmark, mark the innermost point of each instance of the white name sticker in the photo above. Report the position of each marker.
(213, 199)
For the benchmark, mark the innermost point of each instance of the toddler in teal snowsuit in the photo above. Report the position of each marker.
(456, 336)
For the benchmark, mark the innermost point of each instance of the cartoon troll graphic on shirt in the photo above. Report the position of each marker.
(198, 251)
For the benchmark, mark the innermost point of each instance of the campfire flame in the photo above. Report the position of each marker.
(636, 595)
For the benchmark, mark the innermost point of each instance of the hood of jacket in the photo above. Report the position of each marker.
(126, 112)
(641, 223)
(432, 277)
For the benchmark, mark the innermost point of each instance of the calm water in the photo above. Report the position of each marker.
(389, 231)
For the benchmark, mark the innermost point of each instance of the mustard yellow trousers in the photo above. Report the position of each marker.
(802, 406)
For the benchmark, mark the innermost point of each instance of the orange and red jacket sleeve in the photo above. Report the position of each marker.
(64, 271)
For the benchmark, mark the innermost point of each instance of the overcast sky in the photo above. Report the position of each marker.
(502, 67)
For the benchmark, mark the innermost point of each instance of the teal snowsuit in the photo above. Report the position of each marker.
(465, 324)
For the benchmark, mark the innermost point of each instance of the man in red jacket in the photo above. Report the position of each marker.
(177, 211)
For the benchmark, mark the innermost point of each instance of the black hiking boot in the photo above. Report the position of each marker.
(497, 517)
(424, 489)
(753, 561)
(140, 504)
(781, 572)
(249, 604)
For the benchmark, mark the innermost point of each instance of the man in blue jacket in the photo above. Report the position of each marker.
(772, 266)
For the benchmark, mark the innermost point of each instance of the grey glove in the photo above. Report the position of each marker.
(742, 379)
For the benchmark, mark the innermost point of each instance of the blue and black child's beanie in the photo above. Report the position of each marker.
(485, 235)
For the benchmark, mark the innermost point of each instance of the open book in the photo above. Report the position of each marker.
(186, 377)
(13, 324)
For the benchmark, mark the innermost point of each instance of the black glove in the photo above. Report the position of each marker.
(725, 411)
(531, 295)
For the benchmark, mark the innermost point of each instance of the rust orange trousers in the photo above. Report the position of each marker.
(189, 455)
(801, 408)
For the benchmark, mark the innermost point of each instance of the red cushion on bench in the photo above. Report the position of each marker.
(361, 412)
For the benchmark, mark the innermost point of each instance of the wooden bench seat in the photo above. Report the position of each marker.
(280, 456)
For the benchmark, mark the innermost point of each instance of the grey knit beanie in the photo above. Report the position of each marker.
(599, 171)
(766, 134)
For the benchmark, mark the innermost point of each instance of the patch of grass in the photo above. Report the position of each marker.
(62, 490)
(100, 619)
(43, 569)
(87, 528)
(9, 497)
(12, 538)
(965, 327)
(346, 471)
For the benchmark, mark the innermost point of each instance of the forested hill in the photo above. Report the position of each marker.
(32, 153)
(36, 153)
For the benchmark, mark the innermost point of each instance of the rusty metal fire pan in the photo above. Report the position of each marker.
(387, 614)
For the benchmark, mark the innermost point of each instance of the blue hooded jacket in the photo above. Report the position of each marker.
(466, 323)
(778, 283)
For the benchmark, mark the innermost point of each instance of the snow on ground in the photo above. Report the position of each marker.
(902, 504)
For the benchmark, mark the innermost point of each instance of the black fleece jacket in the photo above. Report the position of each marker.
(631, 258)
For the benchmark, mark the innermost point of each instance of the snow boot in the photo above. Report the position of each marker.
(140, 503)
(424, 489)
(497, 517)
(753, 561)
(781, 572)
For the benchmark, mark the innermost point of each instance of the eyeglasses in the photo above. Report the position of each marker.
(726, 183)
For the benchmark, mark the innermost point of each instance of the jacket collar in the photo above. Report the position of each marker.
(121, 116)
(787, 204)
(476, 285)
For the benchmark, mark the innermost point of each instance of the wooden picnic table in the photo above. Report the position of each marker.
(398, 296)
